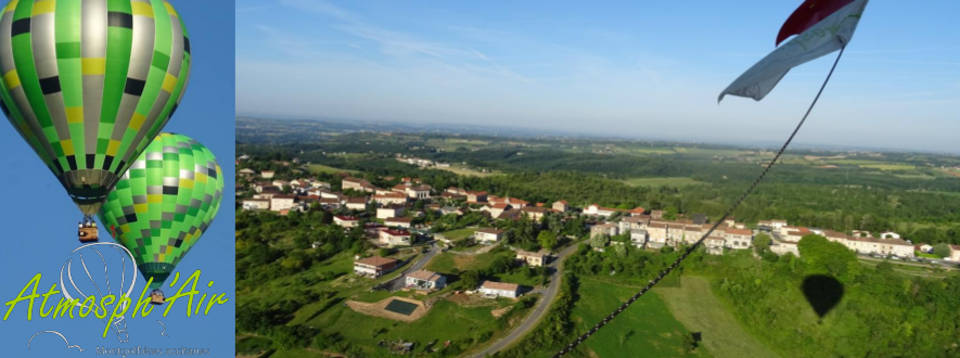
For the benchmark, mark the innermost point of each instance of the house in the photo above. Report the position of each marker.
(447, 210)
(784, 247)
(267, 174)
(886, 247)
(398, 222)
(924, 248)
(394, 237)
(534, 213)
(455, 191)
(425, 280)
(487, 235)
(346, 221)
(280, 184)
(476, 197)
(390, 198)
(609, 229)
(281, 202)
(357, 184)
(418, 192)
(714, 245)
(656, 215)
(328, 203)
(560, 205)
(496, 209)
(256, 204)
(738, 239)
(499, 289)
(534, 259)
(517, 203)
(638, 237)
(771, 225)
(374, 266)
(245, 172)
(954, 253)
(656, 235)
(389, 212)
(358, 204)
(637, 211)
(597, 210)
(692, 233)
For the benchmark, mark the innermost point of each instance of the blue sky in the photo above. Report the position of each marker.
(40, 220)
(638, 69)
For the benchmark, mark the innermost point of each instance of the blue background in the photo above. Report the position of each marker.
(39, 230)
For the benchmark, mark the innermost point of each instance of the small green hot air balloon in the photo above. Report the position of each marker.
(88, 84)
(162, 205)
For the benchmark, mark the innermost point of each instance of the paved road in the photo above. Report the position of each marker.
(422, 261)
(539, 311)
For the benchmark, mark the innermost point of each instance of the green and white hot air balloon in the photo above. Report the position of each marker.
(163, 204)
(88, 84)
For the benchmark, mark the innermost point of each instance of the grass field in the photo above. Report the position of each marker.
(646, 329)
(459, 234)
(447, 262)
(662, 181)
(320, 168)
(693, 304)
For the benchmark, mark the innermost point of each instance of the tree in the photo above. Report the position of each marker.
(941, 249)
(761, 243)
(547, 239)
(822, 256)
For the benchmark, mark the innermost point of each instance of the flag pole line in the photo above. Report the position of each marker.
(697, 244)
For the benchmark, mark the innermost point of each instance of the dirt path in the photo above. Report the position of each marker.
(694, 305)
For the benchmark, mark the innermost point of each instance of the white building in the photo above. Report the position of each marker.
(394, 237)
(374, 266)
(256, 204)
(346, 221)
(356, 204)
(598, 210)
(534, 259)
(389, 212)
(425, 280)
(487, 235)
(281, 202)
(499, 289)
(390, 198)
(638, 237)
(398, 222)
(738, 239)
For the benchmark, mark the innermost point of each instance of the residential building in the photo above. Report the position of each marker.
(394, 237)
(357, 204)
(425, 280)
(738, 239)
(374, 266)
(398, 222)
(390, 198)
(638, 237)
(714, 245)
(357, 184)
(535, 213)
(281, 202)
(496, 209)
(954, 253)
(346, 221)
(499, 289)
(476, 197)
(534, 259)
(487, 235)
(597, 210)
(418, 192)
(609, 229)
(267, 174)
(256, 204)
(560, 205)
(389, 212)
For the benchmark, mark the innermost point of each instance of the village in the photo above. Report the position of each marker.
(387, 216)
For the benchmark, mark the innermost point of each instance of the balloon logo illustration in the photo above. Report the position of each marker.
(163, 204)
(89, 84)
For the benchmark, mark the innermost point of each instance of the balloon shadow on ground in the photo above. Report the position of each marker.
(823, 293)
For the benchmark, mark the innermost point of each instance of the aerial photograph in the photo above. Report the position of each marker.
(615, 179)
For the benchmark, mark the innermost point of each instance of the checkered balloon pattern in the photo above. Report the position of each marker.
(164, 202)
(88, 84)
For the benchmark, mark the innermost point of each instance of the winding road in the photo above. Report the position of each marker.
(539, 311)
(397, 283)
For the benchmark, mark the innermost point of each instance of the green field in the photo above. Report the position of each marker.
(459, 234)
(662, 181)
(321, 169)
(647, 326)
(694, 304)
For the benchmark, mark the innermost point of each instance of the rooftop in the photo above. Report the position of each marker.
(504, 286)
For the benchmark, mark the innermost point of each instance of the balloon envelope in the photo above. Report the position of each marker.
(88, 84)
(163, 204)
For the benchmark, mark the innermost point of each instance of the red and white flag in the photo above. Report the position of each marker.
(821, 26)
